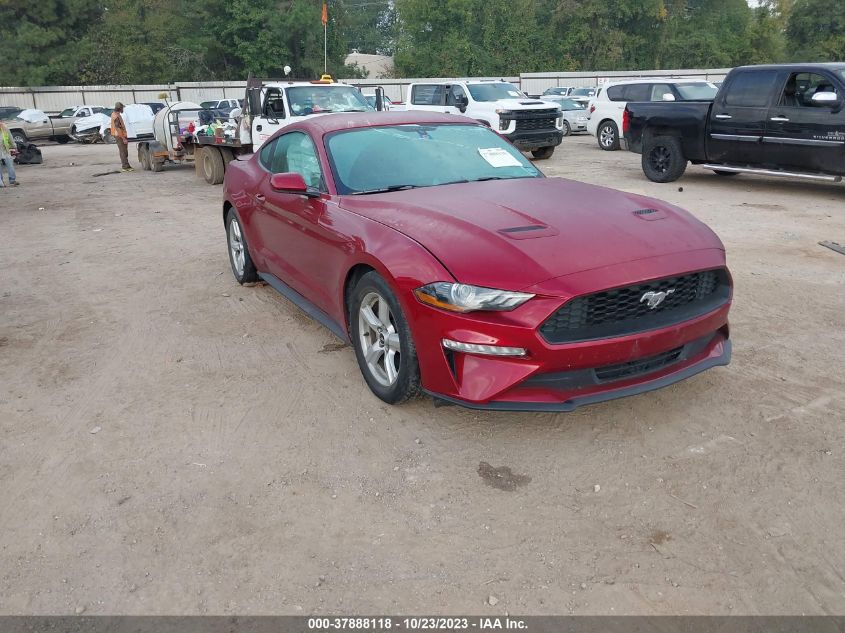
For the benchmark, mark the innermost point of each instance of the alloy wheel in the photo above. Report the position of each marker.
(380, 342)
(659, 157)
(236, 247)
(607, 136)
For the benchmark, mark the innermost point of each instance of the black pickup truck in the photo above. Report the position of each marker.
(784, 120)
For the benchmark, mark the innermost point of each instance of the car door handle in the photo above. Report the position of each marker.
(724, 116)
(779, 119)
(258, 127)
(259, 197)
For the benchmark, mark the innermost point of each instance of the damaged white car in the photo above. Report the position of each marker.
(138, 118)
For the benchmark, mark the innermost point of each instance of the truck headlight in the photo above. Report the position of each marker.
(466, 298)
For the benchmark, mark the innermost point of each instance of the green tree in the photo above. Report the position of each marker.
(816, 30)
(40, 41)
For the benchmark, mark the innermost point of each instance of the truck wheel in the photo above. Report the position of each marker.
(144, 156)
(19, 137)
(719, 172)
(663, 159)
(567, 130)
(156, 165)
(212, 165)
(543, 153)
(608, 136)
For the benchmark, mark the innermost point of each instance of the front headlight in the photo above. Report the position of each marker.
(466, 298)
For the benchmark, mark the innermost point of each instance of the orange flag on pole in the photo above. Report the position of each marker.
(325, 14)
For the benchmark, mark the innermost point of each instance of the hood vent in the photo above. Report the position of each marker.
(650, 214)
(520, 229)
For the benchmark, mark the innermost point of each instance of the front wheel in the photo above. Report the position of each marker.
(19, 137)
(663, 159)
(242, 267)
(543, 152)
(382, 339)
(567, 129)
(608, 136)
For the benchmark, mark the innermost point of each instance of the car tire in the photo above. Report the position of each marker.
(144, 156)
(61, 140)
(19, 137)
(213, 167)
(608, 136)
(720, 172)
(663, 159)
(109, 138)
(242, 267)
(543, 153)
(383, 343)
(567, 130)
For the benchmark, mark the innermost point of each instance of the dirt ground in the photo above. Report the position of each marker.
(173, 443)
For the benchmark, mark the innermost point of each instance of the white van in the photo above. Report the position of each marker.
(530, 124)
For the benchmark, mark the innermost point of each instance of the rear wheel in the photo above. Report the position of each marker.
(19, 137)
(156, 165)
(144, 156)
(212, 165)
(567, 130)
(663, 159)
(608, 136)
(242, 267)
(382, 338)
(543, 153)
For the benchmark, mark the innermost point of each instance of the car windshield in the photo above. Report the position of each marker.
(556, 91)
(569, 104)
(703, 91)
(208, 104)
(583, 92)
(494, 91)
(422, 156)
(315, 99)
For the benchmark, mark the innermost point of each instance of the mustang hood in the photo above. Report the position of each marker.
(512, 234)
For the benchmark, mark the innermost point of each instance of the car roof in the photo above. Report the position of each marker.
(818, 65)
(650, 80)
(327, 123)
(312, 84)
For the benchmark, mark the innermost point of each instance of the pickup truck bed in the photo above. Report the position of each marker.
(786, 120)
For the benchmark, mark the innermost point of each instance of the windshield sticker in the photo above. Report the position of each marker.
(498, 157)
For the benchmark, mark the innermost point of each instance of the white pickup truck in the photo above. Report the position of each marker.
(530, 124)
(181, 136)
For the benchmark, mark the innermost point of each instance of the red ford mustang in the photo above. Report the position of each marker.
(456, 268)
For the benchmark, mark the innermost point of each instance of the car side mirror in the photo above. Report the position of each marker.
(462, 102)
(668, 96)
(829, 99)
(293, 183)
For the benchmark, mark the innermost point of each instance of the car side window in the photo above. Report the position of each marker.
(427, 94)
(615, 93)
(637, 92)
(454, 95)
(750, 88)
(274, 104)
(294, 152)
(265, 155)
(800, 88)
(658, 90)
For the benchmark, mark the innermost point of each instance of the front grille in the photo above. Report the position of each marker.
(626, 310)
(523, 125)
(639, 366)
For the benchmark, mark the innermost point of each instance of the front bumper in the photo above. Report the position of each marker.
(534, 139)
(719, 354)
(564, 376)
